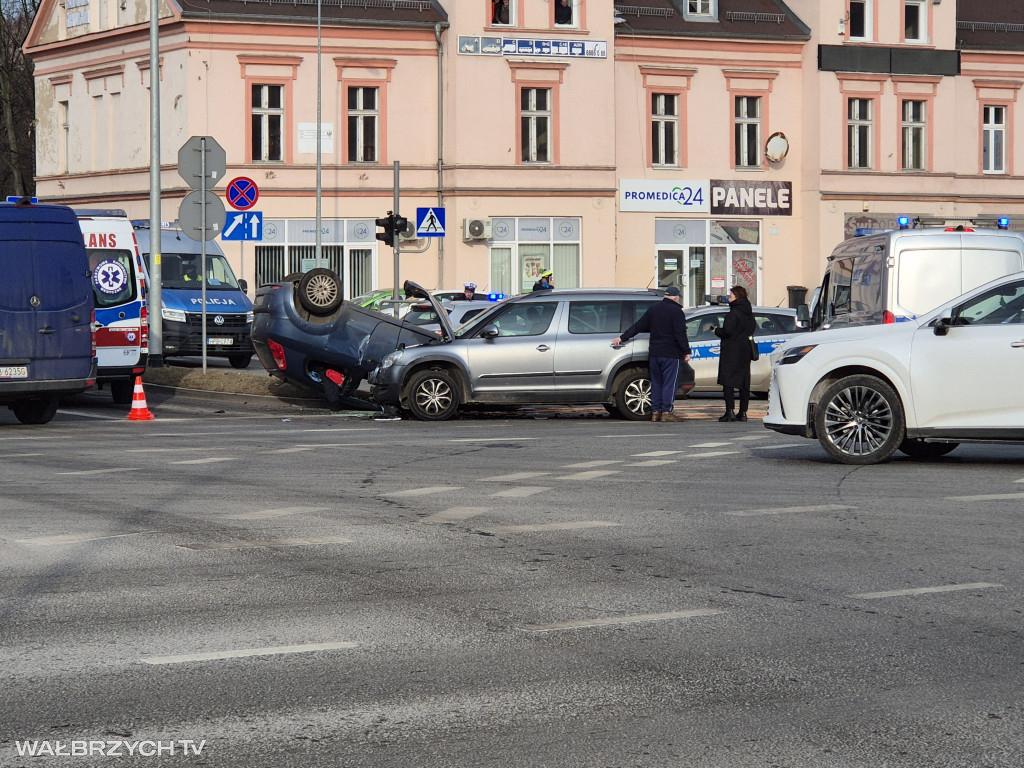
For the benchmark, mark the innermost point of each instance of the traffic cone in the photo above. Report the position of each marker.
(139, 411)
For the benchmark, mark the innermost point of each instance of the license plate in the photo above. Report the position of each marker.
(219, 341)
(14, 372)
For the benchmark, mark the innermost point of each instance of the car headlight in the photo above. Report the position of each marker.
(174, 315)
(250, 316)
(390, 359)
(796, 354)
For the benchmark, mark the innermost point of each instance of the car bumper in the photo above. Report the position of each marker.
(787, 403)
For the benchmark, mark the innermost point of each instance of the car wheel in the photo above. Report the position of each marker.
(121, 392)
(612, 411)
(320, 291)
(240, 361)
(859, 420)
(35, 411)
(633, 396)
(433, 396)
(919, 449)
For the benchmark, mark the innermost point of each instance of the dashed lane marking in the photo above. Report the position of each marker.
(107, 471)
(711, 445)
(708, 454)
(788, 510)
(208, 460)
(76, 538)
(597, 463)
(455, 514)
(521, 491)
(925, 590)
(293, 542)
(86, 415)
(775, 447)
(656, 453)
(569, 526)
(590, 475)
(22, 455)
(652, 463)
(263, 514)
(430, 489)
(273, 650)
(987, 497)
(488, 439)
(514, 477)
(617, 620)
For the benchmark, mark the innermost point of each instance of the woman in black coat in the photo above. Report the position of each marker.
(734, 362)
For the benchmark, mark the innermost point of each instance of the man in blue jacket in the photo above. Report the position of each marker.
(666, 323)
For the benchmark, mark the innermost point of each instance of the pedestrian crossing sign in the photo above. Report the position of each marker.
(430, 222)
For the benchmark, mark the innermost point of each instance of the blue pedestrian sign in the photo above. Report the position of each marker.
(242, 225)
(430, 222)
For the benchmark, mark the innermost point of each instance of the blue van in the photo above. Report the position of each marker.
(46, 310)
(228, 309)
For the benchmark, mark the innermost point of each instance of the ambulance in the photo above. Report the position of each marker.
(119, 289)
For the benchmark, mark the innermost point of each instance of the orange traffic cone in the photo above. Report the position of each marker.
(139, 411)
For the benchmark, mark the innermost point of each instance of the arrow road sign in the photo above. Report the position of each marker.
(243, 225)
(242, 193)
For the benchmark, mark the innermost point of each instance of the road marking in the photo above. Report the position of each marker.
(98, 471)
(522, 490)
(263, 514)
(208, 460)
(752, 437)
(775, 447)
(925, 590)
(515, 476)
(423, 491)
(598, 463)
(23, 455)
(553, 526)
(455, 514)
(87, 415)
(341, 429)
(273, 650)
(152, 450)
(490, 439)
(616, 620)
(75, 538)
(295, 542)
(657, 453)
(788, 510)
(652, 463)
(591, 475)
(987, 497)
(708, 454)
(711, 445)
(296, 449)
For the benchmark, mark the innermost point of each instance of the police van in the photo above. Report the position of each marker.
(894, 276)
(119, 289)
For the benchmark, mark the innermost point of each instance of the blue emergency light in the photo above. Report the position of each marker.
(904, 222)
(495, 296)
(1003, 222)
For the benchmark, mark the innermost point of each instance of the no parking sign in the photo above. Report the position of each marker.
(242, 193)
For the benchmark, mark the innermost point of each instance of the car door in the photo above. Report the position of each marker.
(584, 352)
(771, 330)
(518, 363)
(970, 376)
(705, 346)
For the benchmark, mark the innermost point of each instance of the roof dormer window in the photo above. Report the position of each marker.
(702, 10)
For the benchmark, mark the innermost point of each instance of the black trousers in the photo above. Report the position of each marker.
(730, 402)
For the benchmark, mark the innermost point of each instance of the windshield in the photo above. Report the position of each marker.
(182, 270)
(470, 327)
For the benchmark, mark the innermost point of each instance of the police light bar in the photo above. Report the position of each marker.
(904, 222)
(1003, 222)
(495, 296)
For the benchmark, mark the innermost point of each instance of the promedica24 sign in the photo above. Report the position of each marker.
(717, 197)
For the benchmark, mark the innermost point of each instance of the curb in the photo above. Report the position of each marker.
(235, 397)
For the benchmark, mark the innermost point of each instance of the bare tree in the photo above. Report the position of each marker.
(17, 98)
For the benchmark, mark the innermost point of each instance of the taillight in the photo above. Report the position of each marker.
(144, 320)
(92, 331)
(888, 317)
(277, 352)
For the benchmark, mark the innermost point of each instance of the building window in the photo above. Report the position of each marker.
(363, 119)
(700, 7)
(858, 133)
(267, 123)
(993, 142)
(665, 129)
(748, 132)
(859, 20)
(503, 12)
(535, 124)
(914, 21)
(913, 133)
(565, 13)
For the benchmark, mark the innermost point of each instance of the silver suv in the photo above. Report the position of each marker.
(542, 347)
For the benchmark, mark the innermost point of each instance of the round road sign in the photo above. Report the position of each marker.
(242, 193)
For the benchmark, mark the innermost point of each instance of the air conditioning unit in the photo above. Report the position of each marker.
(476, 229)
(409, 233)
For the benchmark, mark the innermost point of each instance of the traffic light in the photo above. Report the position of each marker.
(388, 235)
(401, 224)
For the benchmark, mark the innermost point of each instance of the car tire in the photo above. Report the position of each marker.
(919, 449)
(240, 361)
(38, 411)
(633, 396)
(613, 411)
(121, 392)
(859, 420)
(320, 292)
(433, 395)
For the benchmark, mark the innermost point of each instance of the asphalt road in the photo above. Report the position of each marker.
(289, 587)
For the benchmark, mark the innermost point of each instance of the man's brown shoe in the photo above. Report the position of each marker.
(671, 416)
(656, 416)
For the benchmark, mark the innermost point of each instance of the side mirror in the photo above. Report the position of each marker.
(803, 316)
(943, 324)
(489, 331)
(243, 284)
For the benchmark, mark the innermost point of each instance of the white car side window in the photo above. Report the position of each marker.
(998, 306)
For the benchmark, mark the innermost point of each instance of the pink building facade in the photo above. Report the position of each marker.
(701, 143)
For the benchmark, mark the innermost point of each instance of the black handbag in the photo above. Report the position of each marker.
(755, 353)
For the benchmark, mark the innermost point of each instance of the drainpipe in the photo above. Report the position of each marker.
(440, 149)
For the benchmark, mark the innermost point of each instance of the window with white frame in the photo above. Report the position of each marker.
(859, 130)
(748, 132)
(913, 135)
(363, 121)
(915, 20)
(267, 123)
(700, 7)
(503, 11)
(535, 124)
(567, 13)
(859, 20)
(993, 142)
(665, 129)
